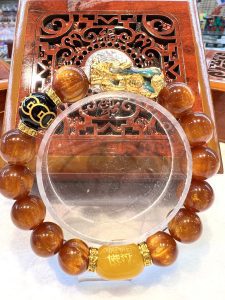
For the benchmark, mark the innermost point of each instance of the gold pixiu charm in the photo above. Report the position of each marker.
(122, 76)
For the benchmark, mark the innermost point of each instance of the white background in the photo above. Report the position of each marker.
(199, 272)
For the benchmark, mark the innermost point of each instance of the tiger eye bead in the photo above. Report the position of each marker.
(73, 257)
(70, 84)
(17, 147)
(28, 213)
(15, 181)
(200, 196)
(177, 98)
(198, 128)
(205, 163)
(163, 248)
(185, 227)
(47, 239)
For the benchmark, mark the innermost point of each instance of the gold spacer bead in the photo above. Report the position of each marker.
(53, 96)
(25, 129)
(93, 259)
(143, 248)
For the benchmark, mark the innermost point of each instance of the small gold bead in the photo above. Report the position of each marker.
(143, 248)
(27, 130)
(93, 259)
(53, 96)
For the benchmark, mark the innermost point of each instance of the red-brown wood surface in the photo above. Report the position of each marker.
(4, 70)
(4, 76)
(219, 105)
(37, 24)
(216, 69)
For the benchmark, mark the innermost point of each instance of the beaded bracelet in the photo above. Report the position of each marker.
(37, 111)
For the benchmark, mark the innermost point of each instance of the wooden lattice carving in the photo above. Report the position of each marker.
(148, 32)
(71, 38)
(217, 66)
(149, 40)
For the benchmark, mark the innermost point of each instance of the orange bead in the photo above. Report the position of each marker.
(163, 248)
(205, 163)
(47, 239)
(198, 128)
(28, 213)
(70, 84)
(185, 227)
(177, 98)
(200, 196)
(119, 262)
(15, 181)
(73, 257)
(17, 147)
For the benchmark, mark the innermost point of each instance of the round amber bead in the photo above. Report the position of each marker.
(73, 257)
(17, 147)
(70, 84)
(177, 98)
(200, 196)
(185, 227)
(47, 239)
(198, 128)
(163, 248)
(15, 181)
(28, 213)
(205, 163)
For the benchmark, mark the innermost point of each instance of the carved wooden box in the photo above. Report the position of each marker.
(151, 33)
(216, 69)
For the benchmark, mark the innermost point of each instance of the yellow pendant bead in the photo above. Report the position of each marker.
(119, 262)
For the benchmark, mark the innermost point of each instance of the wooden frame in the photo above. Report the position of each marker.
(32, 37)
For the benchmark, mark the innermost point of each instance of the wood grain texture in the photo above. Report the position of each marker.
(4, 76)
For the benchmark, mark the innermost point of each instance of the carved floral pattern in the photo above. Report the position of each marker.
(111, 117)
(148, 40)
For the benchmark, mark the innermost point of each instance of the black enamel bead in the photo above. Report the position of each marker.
(37, 111)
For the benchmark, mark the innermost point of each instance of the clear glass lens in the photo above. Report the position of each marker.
(114, 168)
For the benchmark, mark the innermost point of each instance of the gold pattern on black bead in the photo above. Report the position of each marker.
(143, 248)
(25, 129)
(53, 96)
(93, 259)
(38, 117)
